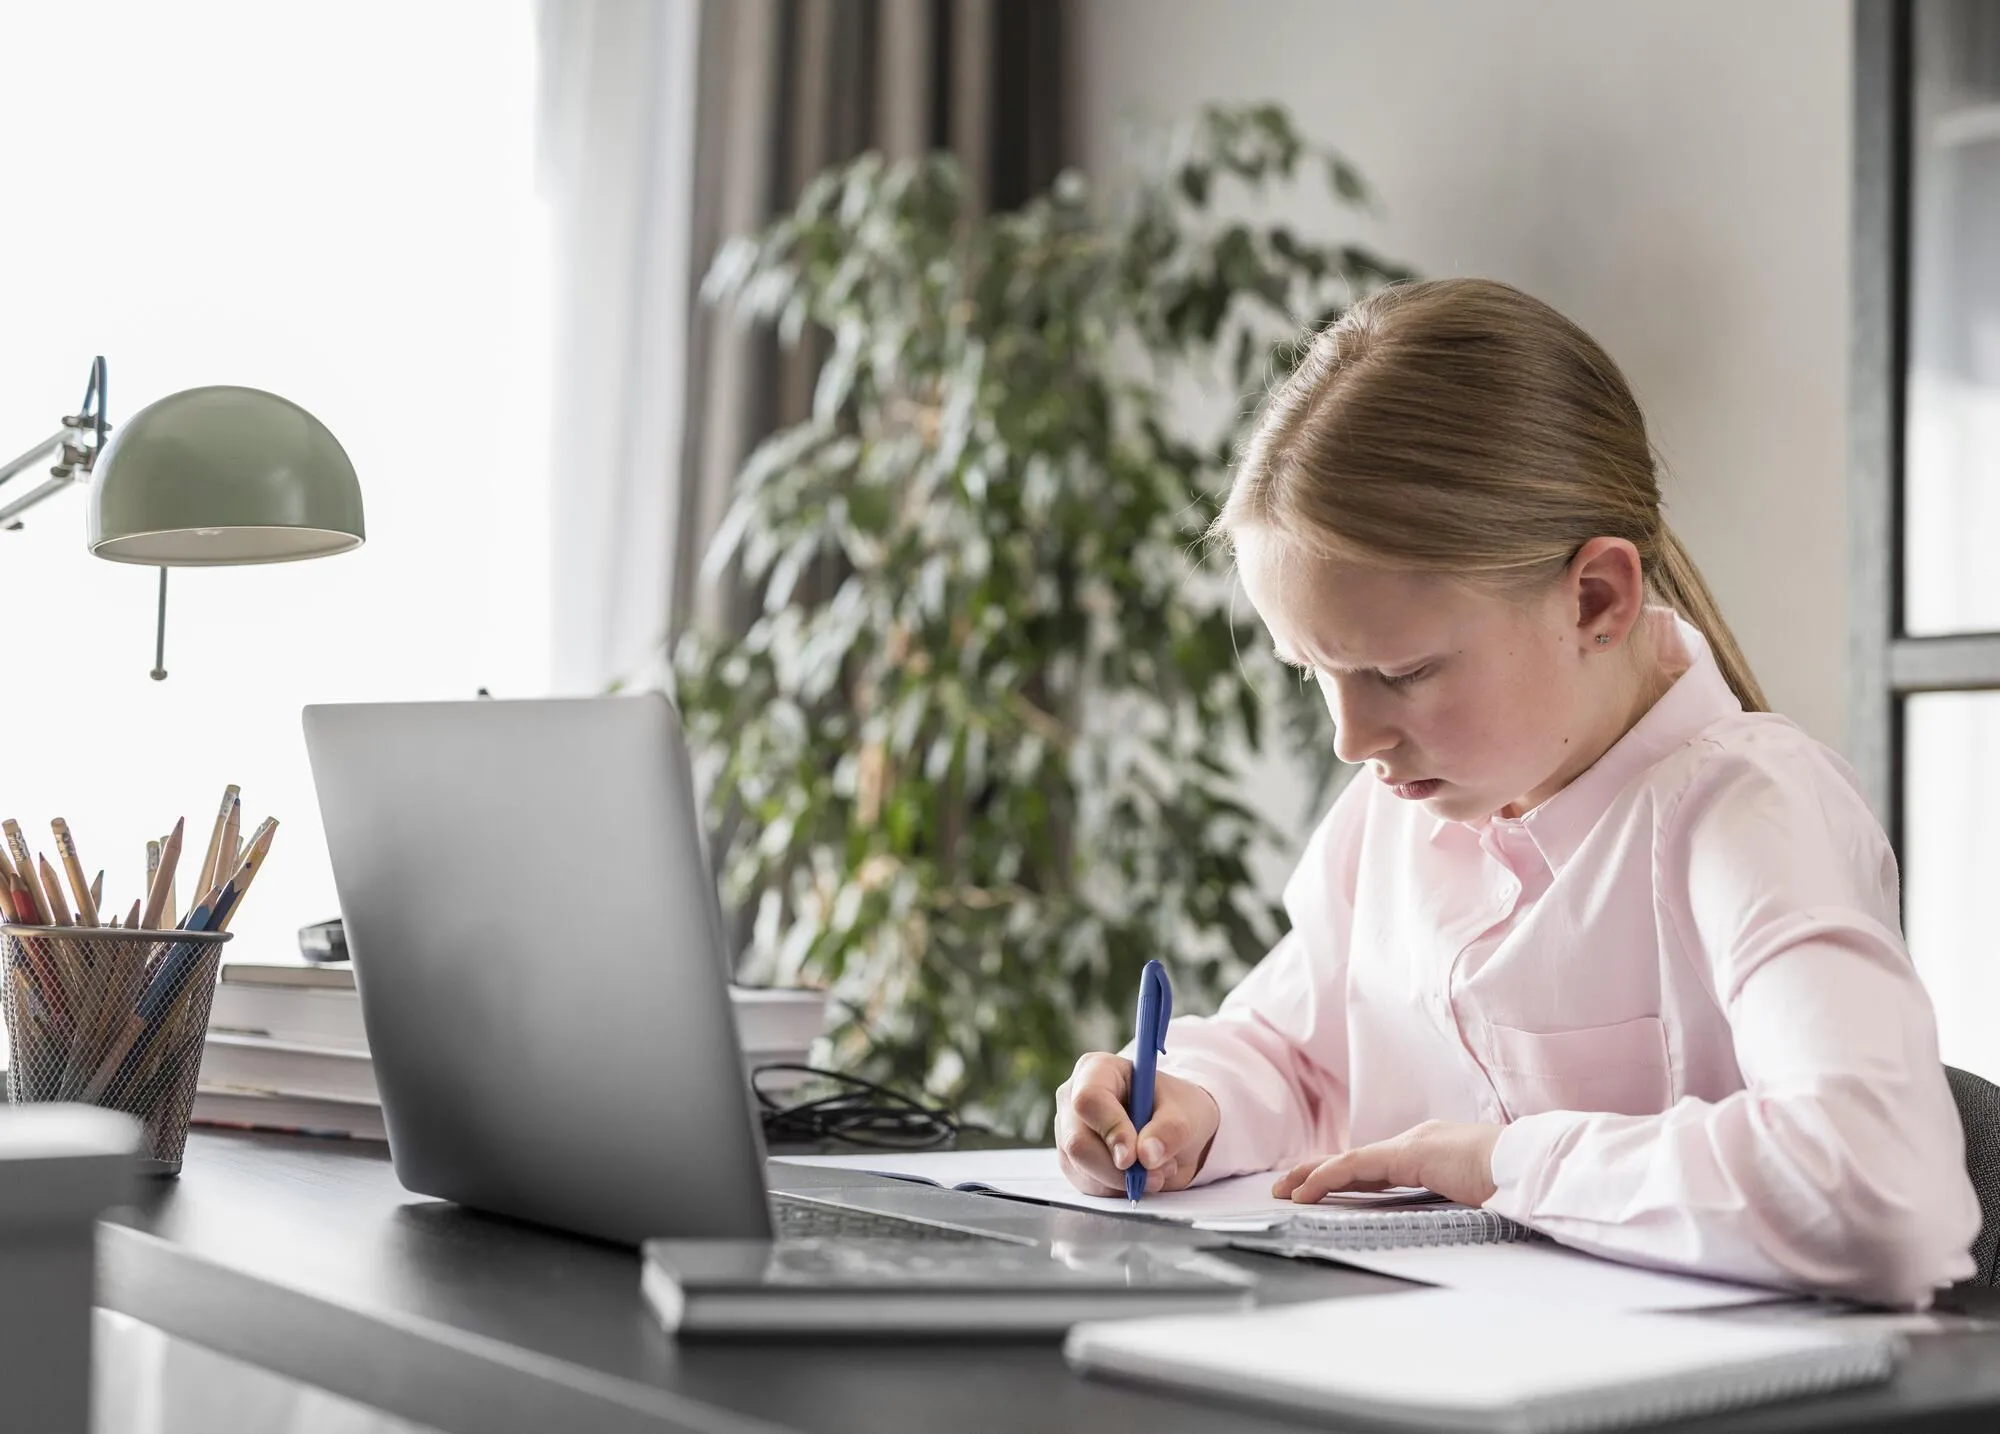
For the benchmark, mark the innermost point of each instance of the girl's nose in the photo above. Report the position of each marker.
(1358, 732)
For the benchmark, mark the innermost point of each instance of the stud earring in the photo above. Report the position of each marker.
(1602, 638)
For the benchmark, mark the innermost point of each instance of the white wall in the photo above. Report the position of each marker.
(1672, 174)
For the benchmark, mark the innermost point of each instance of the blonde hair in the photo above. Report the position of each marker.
(1460, 426)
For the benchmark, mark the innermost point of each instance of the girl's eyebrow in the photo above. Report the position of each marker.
(1334, 667)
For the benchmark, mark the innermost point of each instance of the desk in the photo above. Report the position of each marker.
(307, 1258)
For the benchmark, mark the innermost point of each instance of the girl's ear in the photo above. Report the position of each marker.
(1609, 583)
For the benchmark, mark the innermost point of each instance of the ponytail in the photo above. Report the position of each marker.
(1679, 583)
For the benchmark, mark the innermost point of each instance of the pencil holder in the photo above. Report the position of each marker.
(112, 1018)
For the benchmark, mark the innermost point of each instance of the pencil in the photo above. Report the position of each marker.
(46, 969)
(253, 862)
(52, 892)
(87, 909)
(97, 890)
(132, 920)
(24, 866)
(229, 855)
(86, 906)
(160, 892)
(206, 879)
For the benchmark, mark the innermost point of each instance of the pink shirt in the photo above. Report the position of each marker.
(1680, 983)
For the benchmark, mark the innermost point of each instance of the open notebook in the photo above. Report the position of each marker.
(1243, 1204)
(1447, 1359)
(1410, 1234)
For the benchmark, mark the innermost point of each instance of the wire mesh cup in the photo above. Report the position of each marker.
(111, 1018)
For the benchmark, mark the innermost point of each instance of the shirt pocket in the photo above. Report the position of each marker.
(1621, 1069)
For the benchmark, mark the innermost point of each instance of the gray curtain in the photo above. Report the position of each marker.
(786, 88)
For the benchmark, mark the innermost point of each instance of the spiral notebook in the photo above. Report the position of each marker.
(1449, 1359)
(1241, 1204)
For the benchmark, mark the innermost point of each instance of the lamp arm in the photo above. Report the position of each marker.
(34, 455)
(77, 456)
(9, 514)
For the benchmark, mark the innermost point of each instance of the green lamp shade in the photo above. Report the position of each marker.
(215, 476)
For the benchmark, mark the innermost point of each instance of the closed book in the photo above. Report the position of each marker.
(301, 1015)
(1451, 1359)
(286, 1068)
(337, 976)
(869, 1287)
(773, 1021)
(292, 1114)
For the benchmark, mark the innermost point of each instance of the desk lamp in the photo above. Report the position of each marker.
(208, 477)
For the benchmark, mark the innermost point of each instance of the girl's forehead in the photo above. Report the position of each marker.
(1353, 613)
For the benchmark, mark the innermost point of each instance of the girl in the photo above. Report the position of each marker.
(1596, 941)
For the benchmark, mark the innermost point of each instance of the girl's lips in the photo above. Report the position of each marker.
(1416, 791)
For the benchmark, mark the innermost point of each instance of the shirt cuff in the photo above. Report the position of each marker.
(1524, 1161)
(1238, 1147)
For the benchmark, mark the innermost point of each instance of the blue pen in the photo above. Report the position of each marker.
(1156, 1008)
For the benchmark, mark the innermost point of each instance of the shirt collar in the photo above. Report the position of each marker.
(1698, 698)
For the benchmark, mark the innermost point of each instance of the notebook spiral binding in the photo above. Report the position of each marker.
(1399, 1229)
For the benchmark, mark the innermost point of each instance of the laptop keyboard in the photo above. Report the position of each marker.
(808, 1220)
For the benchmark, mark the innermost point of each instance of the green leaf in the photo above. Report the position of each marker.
(1346, 181)
(963, 762)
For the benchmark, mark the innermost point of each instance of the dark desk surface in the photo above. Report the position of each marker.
(306, 1257)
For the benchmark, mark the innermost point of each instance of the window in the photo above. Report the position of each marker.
(1926, 510)
(333, 202)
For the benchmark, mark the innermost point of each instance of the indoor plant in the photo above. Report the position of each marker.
(973, 758)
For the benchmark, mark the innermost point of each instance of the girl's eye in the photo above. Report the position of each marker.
(1406, 678)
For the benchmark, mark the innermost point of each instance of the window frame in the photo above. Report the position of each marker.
(1887, 666)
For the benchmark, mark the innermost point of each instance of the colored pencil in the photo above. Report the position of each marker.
(253, 862)
(52, 893)
(79, 885)
(160, 892)
(117, 1027)
(127, 1048)
(24, 865)
(226, 856)
(206, 879)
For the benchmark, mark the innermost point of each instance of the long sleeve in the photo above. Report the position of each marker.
(1839, 1168)
(1275, 1055)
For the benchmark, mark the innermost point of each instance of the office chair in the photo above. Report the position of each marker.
(1978, 1102)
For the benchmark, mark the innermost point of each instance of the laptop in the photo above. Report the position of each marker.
(538, 949)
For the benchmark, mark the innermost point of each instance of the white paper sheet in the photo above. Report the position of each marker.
(1244, 1203)
(1555, 1274)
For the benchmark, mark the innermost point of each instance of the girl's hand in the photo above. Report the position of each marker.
(1095, 1142)
(1454, 1160)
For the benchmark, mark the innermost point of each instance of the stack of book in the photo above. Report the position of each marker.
(777, 1027)
(287, 1050)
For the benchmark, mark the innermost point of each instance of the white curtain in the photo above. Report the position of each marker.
(617, 163)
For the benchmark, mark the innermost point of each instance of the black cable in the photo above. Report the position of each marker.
(860, 1113)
